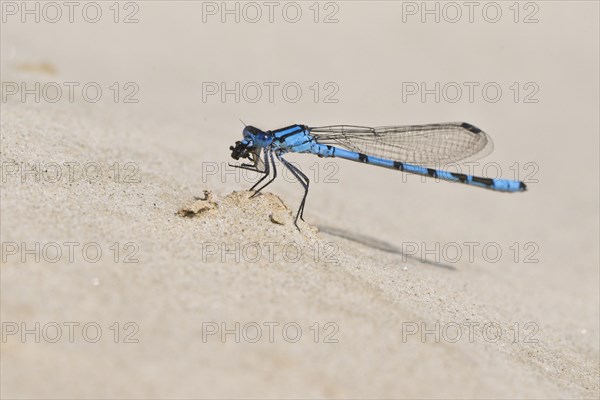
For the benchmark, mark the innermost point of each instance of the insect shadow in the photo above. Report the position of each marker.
(379, 245)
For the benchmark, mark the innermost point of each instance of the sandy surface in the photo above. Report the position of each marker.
(190, 266)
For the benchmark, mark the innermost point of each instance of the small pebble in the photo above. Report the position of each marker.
(277, 217)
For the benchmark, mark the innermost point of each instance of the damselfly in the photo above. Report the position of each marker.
(415, 149)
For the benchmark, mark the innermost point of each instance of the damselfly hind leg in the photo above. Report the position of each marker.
(307, 181)
(303, 179)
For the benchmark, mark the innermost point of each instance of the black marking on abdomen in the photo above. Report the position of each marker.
(432, 172)
(470, 127)
(460, 177)
(363, 157)
(485, 181)
(398, 165)
(330, 151)
(522, 186)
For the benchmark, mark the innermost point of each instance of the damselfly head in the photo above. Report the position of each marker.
(250, 145)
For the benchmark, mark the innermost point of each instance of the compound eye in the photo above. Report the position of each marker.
(250, 130)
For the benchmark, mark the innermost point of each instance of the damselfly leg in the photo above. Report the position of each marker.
(272, 162)
(304, 181)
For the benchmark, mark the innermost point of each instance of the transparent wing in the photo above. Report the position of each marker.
(428, 145)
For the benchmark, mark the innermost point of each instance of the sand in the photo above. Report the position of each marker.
(135, 263)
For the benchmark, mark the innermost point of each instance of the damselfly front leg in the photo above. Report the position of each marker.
(257, 165)
(272, 162)
(266, 172)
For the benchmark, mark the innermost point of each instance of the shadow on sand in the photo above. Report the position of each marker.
(379, 245)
